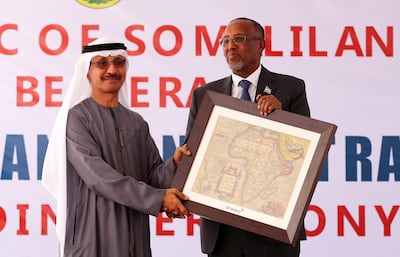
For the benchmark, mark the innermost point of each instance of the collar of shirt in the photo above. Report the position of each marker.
(253, 78)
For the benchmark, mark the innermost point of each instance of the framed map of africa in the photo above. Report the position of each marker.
(254, 172)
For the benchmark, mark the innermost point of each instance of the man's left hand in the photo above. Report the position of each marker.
(267, 104)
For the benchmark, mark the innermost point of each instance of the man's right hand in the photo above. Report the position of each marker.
(172, 204)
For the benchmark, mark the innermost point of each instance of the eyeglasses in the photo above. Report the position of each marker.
(237, 40)
(104, 63)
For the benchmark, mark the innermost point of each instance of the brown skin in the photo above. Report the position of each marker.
(172, 204)
(106, 84)
(179, 152)
(244, 59)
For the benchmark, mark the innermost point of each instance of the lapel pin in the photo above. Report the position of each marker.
(267, 90)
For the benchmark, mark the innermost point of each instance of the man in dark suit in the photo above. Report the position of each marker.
(243, 43)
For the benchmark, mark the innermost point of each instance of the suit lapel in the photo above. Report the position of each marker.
(226, 87)
(266, 79)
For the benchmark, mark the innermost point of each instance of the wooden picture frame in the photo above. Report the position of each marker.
(254, 172)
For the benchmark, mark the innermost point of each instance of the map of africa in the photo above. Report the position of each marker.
(251, 166)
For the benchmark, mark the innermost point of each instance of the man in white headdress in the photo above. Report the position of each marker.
(102, 164)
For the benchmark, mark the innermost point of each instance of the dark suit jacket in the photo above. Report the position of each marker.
(289, 90)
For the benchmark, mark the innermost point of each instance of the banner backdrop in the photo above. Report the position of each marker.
(346, 51)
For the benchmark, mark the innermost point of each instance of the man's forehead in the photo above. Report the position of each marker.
(238, 27)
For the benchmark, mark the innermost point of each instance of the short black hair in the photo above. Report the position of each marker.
(256, 25)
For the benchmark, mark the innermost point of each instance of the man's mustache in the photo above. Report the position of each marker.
(111, 76)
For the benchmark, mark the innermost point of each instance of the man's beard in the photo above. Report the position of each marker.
(236, 66)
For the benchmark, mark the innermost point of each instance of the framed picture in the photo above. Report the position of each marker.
(254, 172)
